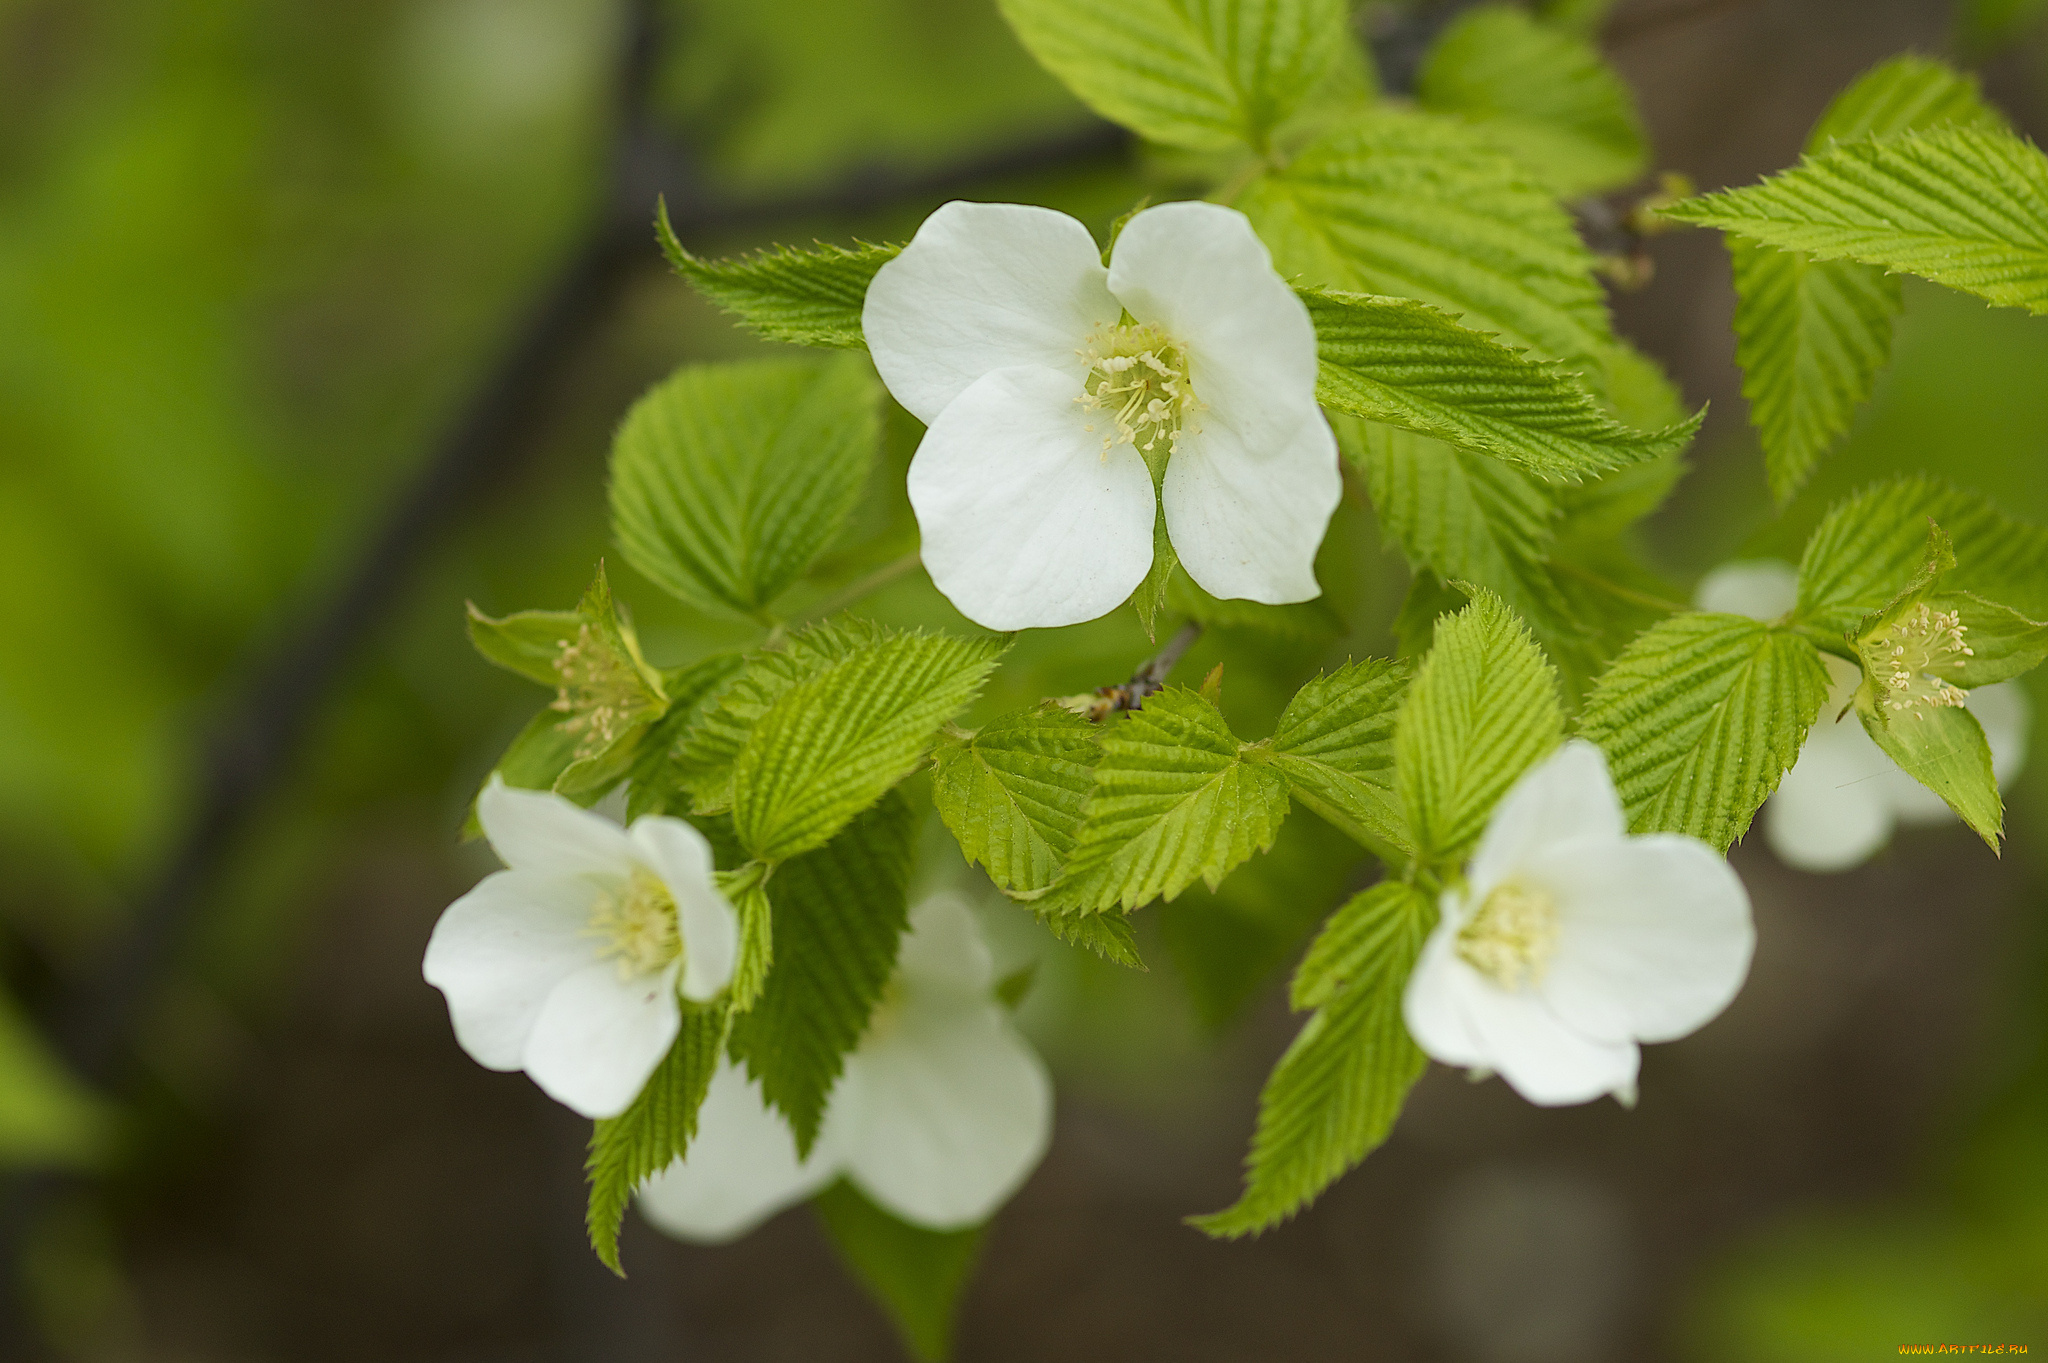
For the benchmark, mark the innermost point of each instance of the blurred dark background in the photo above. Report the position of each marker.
(315, 321)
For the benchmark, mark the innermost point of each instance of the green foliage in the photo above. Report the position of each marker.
(1409, 365)
(1175, 797)
(1305, 621)
(729, 479)
(1108, 935)
(655, 789)
(1335, 746)
(1700, 718)
(1544, 94)
(1964, 207)
(803, 297)
(629, 1149)
(1336, 1092)
(830, 745)
(1012, 793)
(1202, 74)
(1482, 710)
(746, 889)
(47, 1117)
(839, 912)
(1944, 750)
(914, 1274)
(1904, 94)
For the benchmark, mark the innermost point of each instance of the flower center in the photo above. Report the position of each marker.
(599, 691)
(1138, 380)
(637, 923)
(1511, 939)
(1908, 656)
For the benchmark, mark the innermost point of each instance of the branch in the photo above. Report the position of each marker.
(1146, 681)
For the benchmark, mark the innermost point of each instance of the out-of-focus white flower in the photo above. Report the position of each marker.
(1842, 799)
(941, 1111)
(1570, 941)
(1050, 383)
(568, 964)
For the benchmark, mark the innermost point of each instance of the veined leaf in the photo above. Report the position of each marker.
(1409, 365)
(728, 479)
(1546, 96)
(1202, 74)
(1904, 94)
(1700, 718)
(656, 787)
(1482, 710)
(1335, 746)
(1174, 799)
(914, 1274)
(1108, 935)
(1012, 793)
(810, 297)
(830, 745)
(629, 1149)
(1944, 750)
(838, 913)
(1960, 206)
(1336, 1092)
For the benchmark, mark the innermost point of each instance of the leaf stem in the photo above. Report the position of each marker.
(1616, 589)
(865, 586)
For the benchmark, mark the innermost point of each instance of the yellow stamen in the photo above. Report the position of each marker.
(638, 924)
(1511, 938)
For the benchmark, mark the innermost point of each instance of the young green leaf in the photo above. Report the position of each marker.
(839, 912)
(1336, 1092)
(1544, 95)
(1700, 718)
(1482, 710)
(1409, 365)
(1108, 935)
(803, 297)
(627, 1150)
(1963, 207)
(915, 1275)
(1944, 750)
(655, 784)
(1202, 74)
(746, 889)
(1335, 746)
(729, 479)
(1012, 793)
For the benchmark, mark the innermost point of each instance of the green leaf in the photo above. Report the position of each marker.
(746, 889)
(1202, 74)
(1700, 718)
(803, 297)
(1904, 94)
(839, 912)
(1150, 598)
(1336, 1092)
(629, 1149)
(1542, 94)
(1314, 622)
(1335, 746)
(729, 479)
(916, 1275)
(1012, 793)
(1409, 365)
(1960, 206)
(1108, 935)
(830, 745)
(1174, 799)
(1482, 710)
(1944, 750)
(656, 786)
(1429, 600)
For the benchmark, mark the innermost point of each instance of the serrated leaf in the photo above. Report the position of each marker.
(838, 913)
(1960, 206)
(1335, 746)
(1409, 365)
(1904, 94)
(655, 1131)
(1546, 96)
(1108, 935)
(1700, 718)
(1336, 1092)
(656, 787)
(810, 297)
(1012, 793)
(745, 889)
(1483, 708)
(915, 1275)
(1202, 74)
(729, 479)
(830, 745)
(1173, 800)
(1944, 750)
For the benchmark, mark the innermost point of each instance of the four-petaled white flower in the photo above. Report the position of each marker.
(939, 1115)
(1570, 941)
(1050, 383)
(568, 964)
(1842, 799)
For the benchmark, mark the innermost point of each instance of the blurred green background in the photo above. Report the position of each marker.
(255, 255)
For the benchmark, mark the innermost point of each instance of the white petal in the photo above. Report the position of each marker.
(1246, 515)
(741, 1167)
(1025, 523)
(598, 1037)
(941, 1119)
(1542, 1057)
(497, 953)
(539, 831)
(1834, 808)
(944, 950)
(1762, 589)
(1430, 1005)
(1654, 936)
(983, 287)
(678, 853)
(1567, 796)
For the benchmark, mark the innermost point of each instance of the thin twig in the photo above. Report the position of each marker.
(866, 586)
(1147, 680)
(1618, 590)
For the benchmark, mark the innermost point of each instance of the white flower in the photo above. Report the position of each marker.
(568, 964)
(1048, 382)
(941, 1111)
(1842, 799)
(1569, 941)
